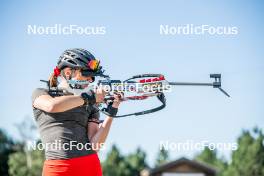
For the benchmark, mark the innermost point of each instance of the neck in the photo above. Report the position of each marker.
(63, 84)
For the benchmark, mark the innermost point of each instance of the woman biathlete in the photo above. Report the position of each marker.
(69, 124)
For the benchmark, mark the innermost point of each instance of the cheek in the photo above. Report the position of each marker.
(80, 77)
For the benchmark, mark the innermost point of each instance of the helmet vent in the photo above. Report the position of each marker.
(79, 59)
(72, 62)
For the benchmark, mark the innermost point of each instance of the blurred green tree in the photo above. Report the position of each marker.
(26, 161)
(210, 157)
(6, 148)
(162, 157)
(119, 165)
(136, 161)
(18, 167)
(248, 159)
(114, 163)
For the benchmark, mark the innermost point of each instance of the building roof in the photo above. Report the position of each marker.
(195, 164)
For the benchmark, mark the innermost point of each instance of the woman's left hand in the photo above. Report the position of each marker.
(117, 99)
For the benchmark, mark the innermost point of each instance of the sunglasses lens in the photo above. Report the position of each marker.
(93, 64)
(93, 68)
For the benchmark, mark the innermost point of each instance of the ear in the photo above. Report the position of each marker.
(67, 72)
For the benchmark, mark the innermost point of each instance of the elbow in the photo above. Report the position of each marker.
(51, 108)
(96, 145)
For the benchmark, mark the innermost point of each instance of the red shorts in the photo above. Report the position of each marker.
(86, 165)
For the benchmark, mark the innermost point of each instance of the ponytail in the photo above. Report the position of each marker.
(53, 80)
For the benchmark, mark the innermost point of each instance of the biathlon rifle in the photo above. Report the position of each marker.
(142, 87)
(150, 85)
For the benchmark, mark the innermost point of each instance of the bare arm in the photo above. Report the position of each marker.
(63, 103)
(57, 104)
(98, 133)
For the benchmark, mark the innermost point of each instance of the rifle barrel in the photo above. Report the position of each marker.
(189, 84)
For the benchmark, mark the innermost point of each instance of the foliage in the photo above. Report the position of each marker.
(248, 159)
(6, 148)
(162, 157)
(117, 164)
(210, 157)
(18, 163)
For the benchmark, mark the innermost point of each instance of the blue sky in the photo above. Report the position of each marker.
(132, 45)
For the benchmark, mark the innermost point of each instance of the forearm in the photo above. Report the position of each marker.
(64, 103)
(102, 133)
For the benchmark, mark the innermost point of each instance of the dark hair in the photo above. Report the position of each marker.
(53, 80)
